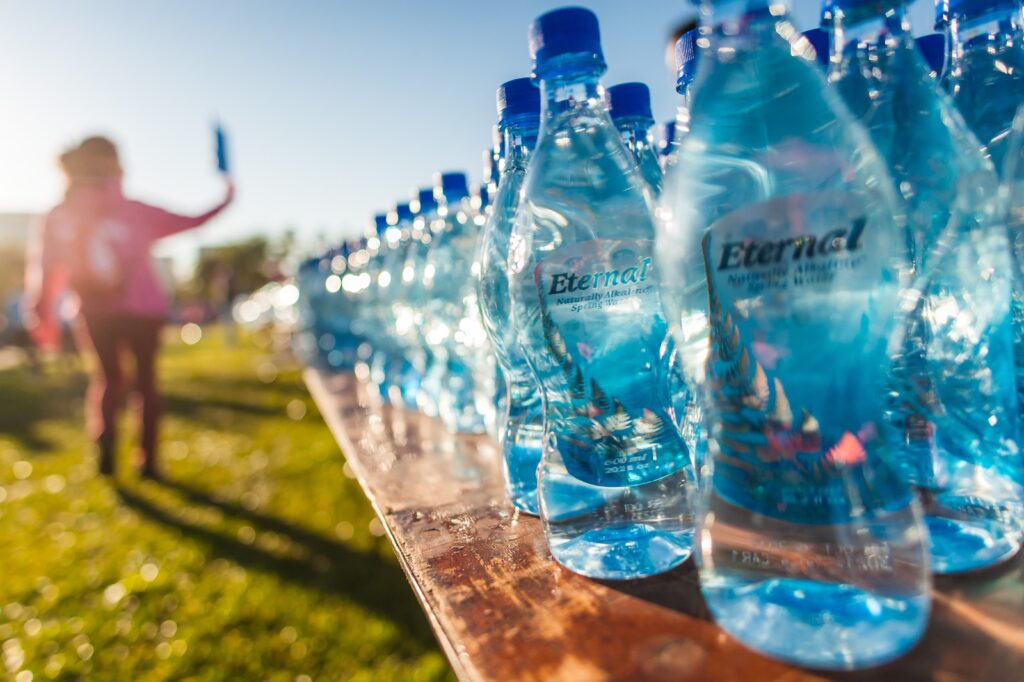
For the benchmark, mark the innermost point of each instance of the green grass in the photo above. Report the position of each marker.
(257, 559)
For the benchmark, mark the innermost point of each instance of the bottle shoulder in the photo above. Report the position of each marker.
(914, 123)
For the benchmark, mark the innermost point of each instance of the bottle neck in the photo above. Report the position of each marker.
(861, 40)
(990, 30)
(733, 19)
(572, 91)
(636, 134)
(520, 139)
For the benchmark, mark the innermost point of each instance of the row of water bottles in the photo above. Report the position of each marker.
(792, 346)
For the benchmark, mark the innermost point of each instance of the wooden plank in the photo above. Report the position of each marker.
(503, 609)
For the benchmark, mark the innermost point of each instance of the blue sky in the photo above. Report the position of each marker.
(335, 109)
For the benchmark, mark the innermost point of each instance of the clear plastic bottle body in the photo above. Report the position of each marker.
(403, 377)
(375, 312)
(357, 284)
(781, 265)
(636, 135)
(404, 313)
(685, 412)
(339, 312)
(324, 325)
(413, 318)
(1012, 191)
(453, 329)
(986, 74)
(522, 429)
(954, 405)
(615, 481)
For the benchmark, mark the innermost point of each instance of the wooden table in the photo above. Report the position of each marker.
(503, 609)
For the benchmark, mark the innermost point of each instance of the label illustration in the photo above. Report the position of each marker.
(792, 284)
(603, 326)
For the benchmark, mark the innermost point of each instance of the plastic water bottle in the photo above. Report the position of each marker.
(403, 376)
(376, 303)
(781, 265)
(435, 371)
(337, 310)
(686, 68)
(521, 435)
(615, 481)
(666, 142)
(986, 70)
(453, 327)
(356, 285)
(630, 107)
(1013, 198)
(492, 166)
(412, 301)
(933, 50)
(954, 404)
(314, 312)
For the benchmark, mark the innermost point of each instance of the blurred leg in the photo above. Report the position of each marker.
(99, 336)
(144, 342)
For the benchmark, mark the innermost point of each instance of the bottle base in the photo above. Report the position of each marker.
(525, 502)
(820, 625)
(615, 533)
(959, 545)
(976, 523)
(623, 553)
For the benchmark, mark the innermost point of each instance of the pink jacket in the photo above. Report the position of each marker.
(129, 227)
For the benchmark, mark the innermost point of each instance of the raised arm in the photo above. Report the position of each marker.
(164, 223)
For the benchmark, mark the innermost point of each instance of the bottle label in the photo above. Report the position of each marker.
(603, 328)
(801, 300)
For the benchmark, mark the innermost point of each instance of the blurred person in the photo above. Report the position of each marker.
(97, 243)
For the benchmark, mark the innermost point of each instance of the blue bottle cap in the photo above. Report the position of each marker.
(485, 197)
(933, 48)
(403, 212)
(820, 40)
(381, 222)
(565, 31)
(667, 137)
(517, 97)
(452, 186)
(426, 200)
(686, 60)
(828, 11)
(629, 100)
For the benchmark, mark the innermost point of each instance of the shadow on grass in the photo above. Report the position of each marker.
(328, 566)
(200, 408)
(30, 397)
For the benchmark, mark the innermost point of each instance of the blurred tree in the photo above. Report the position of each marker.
(223, 272)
